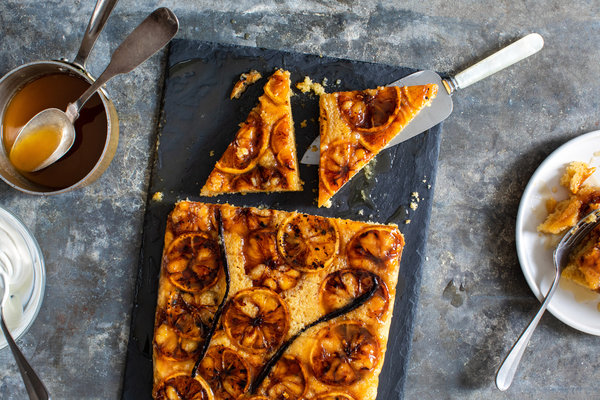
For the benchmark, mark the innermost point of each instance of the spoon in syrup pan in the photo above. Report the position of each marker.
(570, 241)
(55, 127)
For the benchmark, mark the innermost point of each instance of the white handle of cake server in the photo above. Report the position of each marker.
(506, 57)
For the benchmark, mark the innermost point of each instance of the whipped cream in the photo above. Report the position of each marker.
(17, 267)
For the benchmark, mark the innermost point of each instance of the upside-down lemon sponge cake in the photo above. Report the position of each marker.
(286, 306)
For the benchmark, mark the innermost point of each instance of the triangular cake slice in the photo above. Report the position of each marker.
(357, 125)
(262, 157)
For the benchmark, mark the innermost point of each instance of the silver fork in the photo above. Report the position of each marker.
(570, 240)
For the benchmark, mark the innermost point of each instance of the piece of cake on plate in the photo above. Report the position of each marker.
(583, 267)
(582, 200)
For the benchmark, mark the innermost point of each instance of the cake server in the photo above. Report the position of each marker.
(441, 105)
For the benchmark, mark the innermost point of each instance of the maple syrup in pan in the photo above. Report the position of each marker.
(57, 91)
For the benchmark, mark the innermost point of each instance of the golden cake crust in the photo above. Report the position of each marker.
(275, 262)
(357, 125)
(262, 157)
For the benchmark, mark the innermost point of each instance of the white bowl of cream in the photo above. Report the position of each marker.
(22, 263)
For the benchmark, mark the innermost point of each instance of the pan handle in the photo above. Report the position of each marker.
(97, 21)
(506, 57)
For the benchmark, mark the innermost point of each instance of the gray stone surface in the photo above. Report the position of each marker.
(474, 300)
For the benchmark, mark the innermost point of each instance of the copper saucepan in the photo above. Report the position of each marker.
(19, 77)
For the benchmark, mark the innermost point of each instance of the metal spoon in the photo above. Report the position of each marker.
(35, 387)
(149, 37)
(572, 238)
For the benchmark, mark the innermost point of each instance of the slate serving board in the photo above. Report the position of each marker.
(198, 118)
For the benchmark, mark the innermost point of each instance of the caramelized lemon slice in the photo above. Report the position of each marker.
(191, 217)
(264, 265)
(193, 262)
(375, 247)
(171, 345)
(244, 152)
(183, 387)
(244, 220)
(256, 320)
(335, 396)
(188, 320)
(282, 143)
(287, 381)
(344, 353)
(278, 87)
(380, 114)
(340, 162)
(262, 178)
(308, 242)
(371, 110)
(226, 372)
(411, 99)
(341, 287)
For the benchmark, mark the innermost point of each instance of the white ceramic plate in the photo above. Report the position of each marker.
(572, 304)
